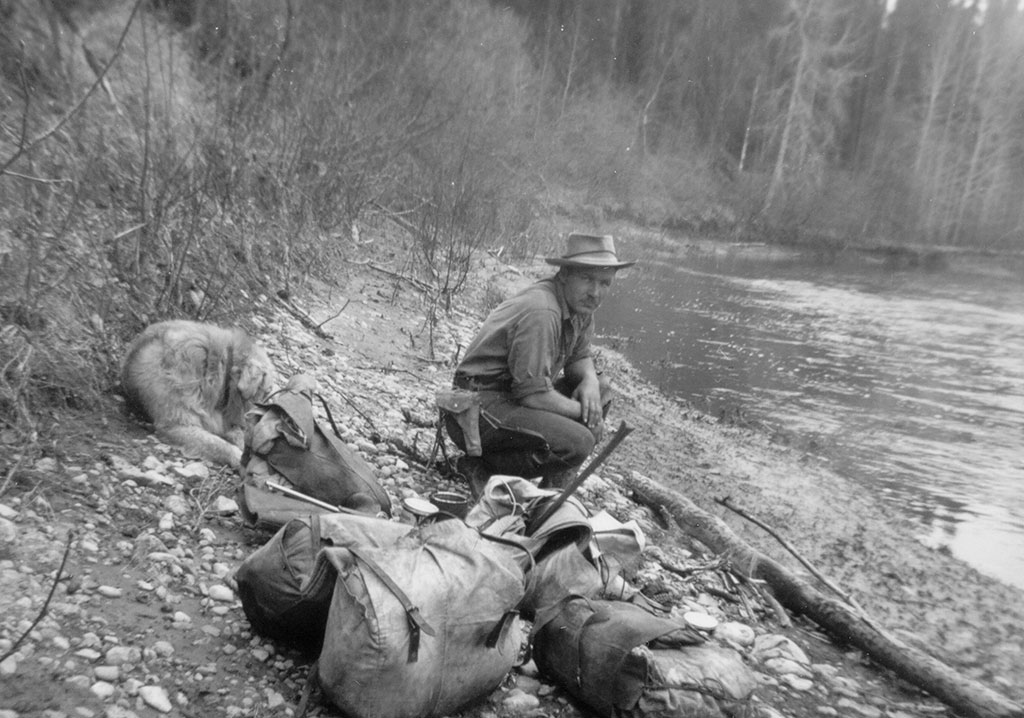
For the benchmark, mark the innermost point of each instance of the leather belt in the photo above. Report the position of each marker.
(474, 383)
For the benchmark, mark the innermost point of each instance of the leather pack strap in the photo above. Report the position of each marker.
(417, 623)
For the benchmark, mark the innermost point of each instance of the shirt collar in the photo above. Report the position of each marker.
(567, 315)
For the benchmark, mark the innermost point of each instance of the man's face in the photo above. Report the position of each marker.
(585, 288)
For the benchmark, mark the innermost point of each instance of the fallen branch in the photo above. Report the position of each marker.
(786, 545)
(927, 673)
(304, 319)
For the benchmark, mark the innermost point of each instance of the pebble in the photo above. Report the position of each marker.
(156, 697)
(225, 506)
(8, 531)
(119, 655)
(193, 470)
(102, 689)
(110, 674)
(518, 701)
(847, 705)
(109, 592)
(6, 512)
(8, 666)
(736, 633)
(220, 592)
(163, 648)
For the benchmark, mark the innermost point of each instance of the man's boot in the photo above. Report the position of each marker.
(475, 472)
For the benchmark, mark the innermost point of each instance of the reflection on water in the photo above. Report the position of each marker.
(912, 383)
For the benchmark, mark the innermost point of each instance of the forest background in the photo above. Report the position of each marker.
(183, 158)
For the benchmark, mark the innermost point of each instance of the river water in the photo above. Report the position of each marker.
(909, 382)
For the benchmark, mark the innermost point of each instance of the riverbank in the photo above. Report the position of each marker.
(143, 618)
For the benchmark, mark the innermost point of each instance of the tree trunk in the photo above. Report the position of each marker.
(964, 695)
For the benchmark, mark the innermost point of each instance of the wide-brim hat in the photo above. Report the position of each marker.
(589, 250)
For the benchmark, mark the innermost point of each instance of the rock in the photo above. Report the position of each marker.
(274, 699)
(9, 666)
(846, 706)
(774, 645)
(193, 470)
(110, 674)
(739, 634)
(6, 512)
(102, 689)
(220, 592)
(119, 655)
(517, 701)
(176, 505)
(787, 667)
(156, 697)
(166, 522)
(796, 682)
(8, 532)
(88, 654)
(109, 592)
(163, 649)
(47, 465)
(225, 506)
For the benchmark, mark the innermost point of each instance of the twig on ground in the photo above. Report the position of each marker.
(671, 566)
(796, 554)
(46, 603)
(303, 318)
(334, 316)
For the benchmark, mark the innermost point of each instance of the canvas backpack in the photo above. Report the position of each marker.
(283, 441)
(623, 662)
(423, 627)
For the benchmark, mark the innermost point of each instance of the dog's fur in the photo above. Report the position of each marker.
(194, 382)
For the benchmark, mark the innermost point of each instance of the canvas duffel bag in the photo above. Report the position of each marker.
(624, 662)
(423, 627)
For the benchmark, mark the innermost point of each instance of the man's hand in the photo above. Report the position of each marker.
(588, 394)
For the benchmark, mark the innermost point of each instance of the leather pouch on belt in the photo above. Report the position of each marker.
(464, 405)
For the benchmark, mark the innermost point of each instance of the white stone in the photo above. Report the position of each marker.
(736, 633)
(163, 648)
(6, 512)
(119, 655)
(110, 674)
(797, 683)
(8, 531)
(109, 591)
(220, 592)
(518, 701)
(156, 697)
(166, 522)
(9, 666)
(102, 689)
(176, 504)
(225, 506)
(193, 470)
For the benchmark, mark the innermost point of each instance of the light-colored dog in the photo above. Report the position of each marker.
(195, 382)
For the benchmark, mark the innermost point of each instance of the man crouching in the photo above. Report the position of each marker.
(542, 403)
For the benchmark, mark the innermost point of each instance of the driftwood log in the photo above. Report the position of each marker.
(967, 697)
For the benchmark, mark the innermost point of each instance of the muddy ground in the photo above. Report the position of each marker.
(143, 620)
